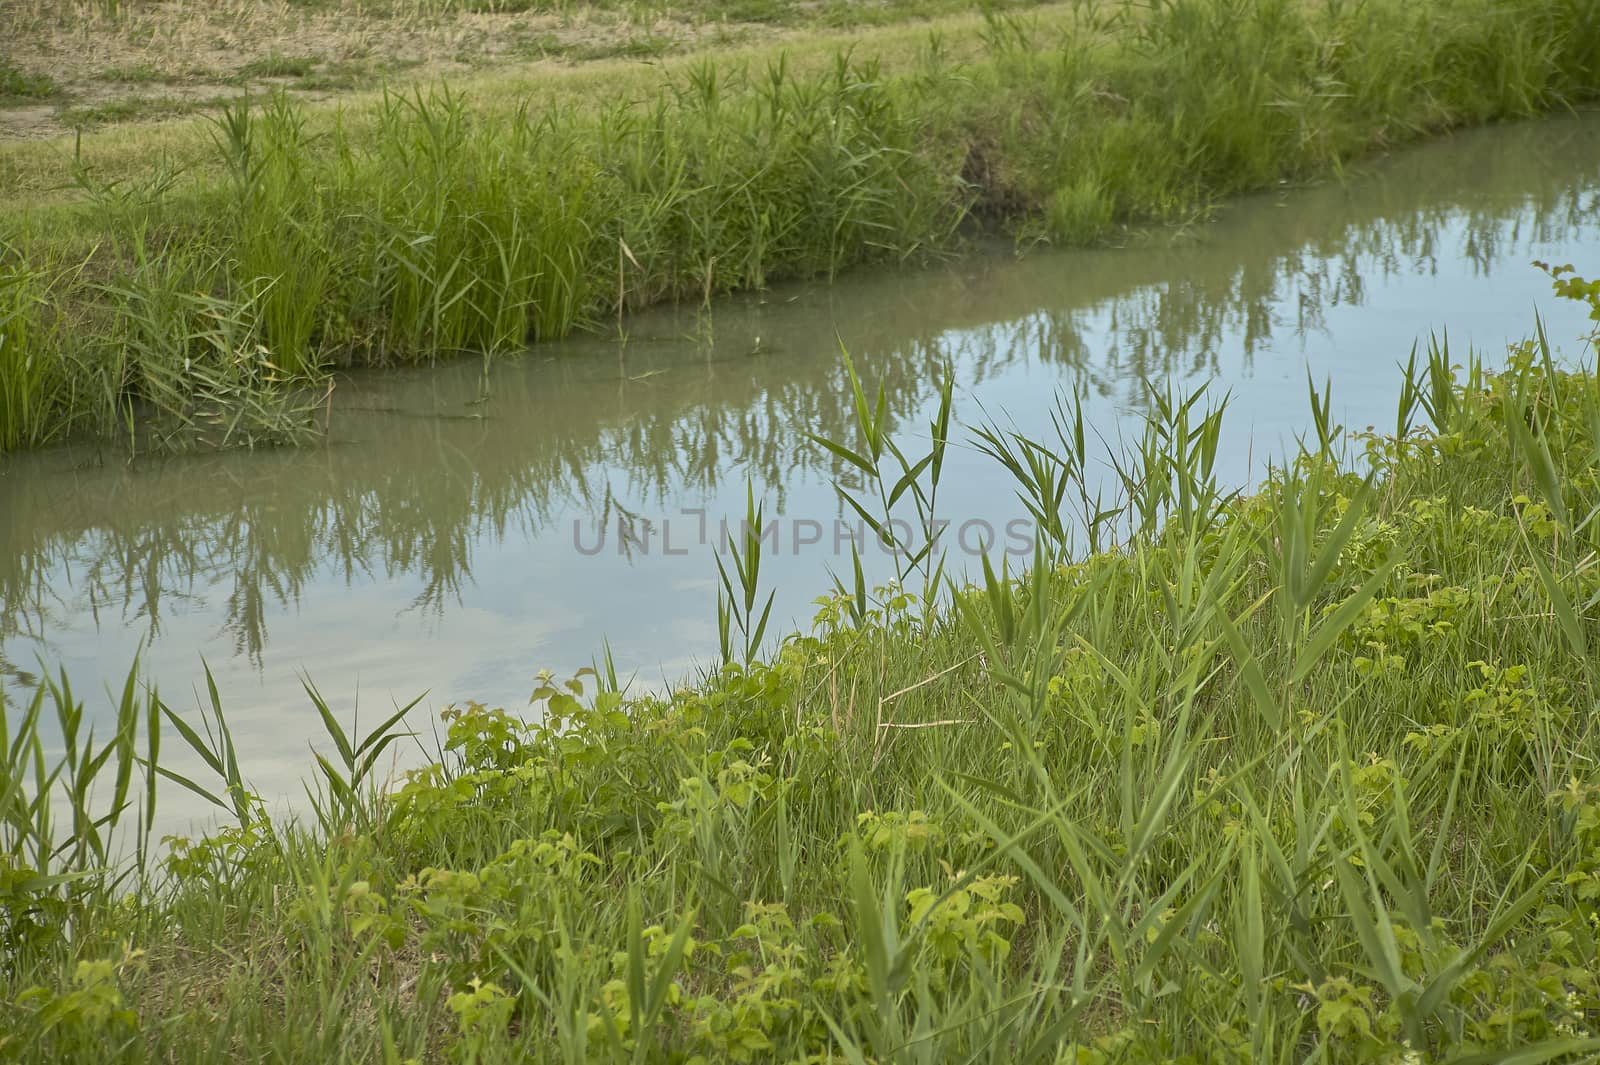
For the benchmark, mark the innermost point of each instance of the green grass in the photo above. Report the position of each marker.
(1307, 774)
(17, 86)
(431, 225)
(280, 66)
(138, 74)
(30, 382)
(135, 108)
(340, 76)
(632, 48)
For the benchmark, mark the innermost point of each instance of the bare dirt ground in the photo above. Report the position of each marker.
(83, 64)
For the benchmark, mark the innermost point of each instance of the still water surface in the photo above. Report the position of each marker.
(447, 538)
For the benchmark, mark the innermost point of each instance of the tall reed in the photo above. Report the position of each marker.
(33, 374)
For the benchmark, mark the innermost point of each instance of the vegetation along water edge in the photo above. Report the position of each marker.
(1305, 774)
(200, 283)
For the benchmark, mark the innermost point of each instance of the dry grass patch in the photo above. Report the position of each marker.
(107, 59)
(591, 59)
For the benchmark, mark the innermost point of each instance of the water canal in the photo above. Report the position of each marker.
(458, 530)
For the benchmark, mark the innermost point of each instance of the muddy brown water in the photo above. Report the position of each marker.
(459, 529)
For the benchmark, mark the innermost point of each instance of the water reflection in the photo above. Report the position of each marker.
(442, 490)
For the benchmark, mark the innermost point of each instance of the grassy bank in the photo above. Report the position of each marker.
(1303, 775)
(211, 305)
(91, 65)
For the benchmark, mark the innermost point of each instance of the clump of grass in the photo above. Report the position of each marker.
(19, 86)
(340, 76)
(136, 108)
(136, 74)
(31, 374)
(280, 66)
(181, 366)
(277, 238)
(632, 47)
(1304, 773)
(1080, 211)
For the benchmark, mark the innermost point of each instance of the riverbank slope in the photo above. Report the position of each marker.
(201, 282)
(1308, 773)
